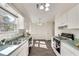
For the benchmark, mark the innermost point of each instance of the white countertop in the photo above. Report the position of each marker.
(70, 45)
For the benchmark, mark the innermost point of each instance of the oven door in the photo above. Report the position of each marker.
(56, 45)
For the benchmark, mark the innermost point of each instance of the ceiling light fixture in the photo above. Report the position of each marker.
(46, 9)
(47, 5)
(43, 6)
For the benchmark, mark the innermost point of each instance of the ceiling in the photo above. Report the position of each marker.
(56, 10)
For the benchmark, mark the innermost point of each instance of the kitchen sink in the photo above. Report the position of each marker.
(4, 47)
(15, 41)
(11, 43)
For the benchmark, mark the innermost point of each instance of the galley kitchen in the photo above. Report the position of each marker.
(39, 29)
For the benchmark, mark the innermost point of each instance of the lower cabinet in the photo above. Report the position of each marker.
(24, 51)
(21, 51)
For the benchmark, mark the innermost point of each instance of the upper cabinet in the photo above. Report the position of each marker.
(62, 21)
(73, 18)
(69, 20)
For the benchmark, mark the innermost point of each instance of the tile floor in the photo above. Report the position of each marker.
(42, 48)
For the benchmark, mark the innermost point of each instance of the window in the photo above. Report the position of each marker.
(7, 21)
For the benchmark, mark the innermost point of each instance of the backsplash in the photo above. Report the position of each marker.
(9, 35)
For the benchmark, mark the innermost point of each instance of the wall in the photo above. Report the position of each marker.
(9, 35)
(45, 31)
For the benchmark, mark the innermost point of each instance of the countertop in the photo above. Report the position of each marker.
(7, 50)
(71, 45)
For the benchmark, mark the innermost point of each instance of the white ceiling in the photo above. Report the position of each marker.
(56, 9)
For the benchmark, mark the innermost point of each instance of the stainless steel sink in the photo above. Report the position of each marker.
(10, 43)
(4, 47)
(15, 41)
(13, 44)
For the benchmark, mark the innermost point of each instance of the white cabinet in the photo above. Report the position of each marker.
(21, 51)
(70, 19)
(73, 18)
(24, 51)
(62, 22)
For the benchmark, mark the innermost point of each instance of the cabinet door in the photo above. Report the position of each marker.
(62, 20)
(73, 18)
(77, 16)
(21, 51)
(58, 23)
(16, 52)
(24, 51)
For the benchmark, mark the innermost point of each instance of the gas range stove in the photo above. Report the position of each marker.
(57, 41)
(65, 36)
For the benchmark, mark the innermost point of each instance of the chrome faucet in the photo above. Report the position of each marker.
(3, 42)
